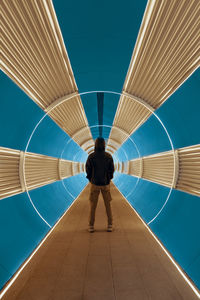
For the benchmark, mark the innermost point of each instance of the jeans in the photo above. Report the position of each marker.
(94, 194)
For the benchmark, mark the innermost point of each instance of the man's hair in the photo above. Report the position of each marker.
(100, 144)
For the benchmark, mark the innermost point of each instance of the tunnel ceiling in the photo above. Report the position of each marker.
(124, 70)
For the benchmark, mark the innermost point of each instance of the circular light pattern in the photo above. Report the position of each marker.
(107, 126)
(85, 93)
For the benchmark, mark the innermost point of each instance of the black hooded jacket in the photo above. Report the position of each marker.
(99, 166)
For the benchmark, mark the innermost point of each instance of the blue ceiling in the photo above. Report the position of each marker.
(100, 37)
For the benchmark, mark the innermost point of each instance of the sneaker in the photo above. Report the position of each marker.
(110, 228)
(91, 228)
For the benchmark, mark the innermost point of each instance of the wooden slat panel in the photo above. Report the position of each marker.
(189, 170)
(159, 168)
(70, 116)
(33, 51)
(125, 167)
(114, 142)
(40, 170)
(166, 51)
(129, 116)
(83, 137)
(135, 167)
(9, 172)
(75, 168)
(65, 168)
(82, 167)
(35, 57)
(88, 145)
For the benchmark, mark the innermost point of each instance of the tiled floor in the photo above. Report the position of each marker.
(126, 264)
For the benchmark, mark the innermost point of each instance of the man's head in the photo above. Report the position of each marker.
(100, 144)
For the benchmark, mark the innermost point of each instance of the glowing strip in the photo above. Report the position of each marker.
(38, 247)
(193, 287)
(145, 21)
(53, 26)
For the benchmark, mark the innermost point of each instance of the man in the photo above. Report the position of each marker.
(99, 169)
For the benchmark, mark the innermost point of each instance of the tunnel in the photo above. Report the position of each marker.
(72, 71)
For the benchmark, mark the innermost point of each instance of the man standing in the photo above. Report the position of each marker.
(99, 169)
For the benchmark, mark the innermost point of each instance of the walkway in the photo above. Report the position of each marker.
(126, 264)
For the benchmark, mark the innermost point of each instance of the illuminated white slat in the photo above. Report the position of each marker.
(20, 171)
(160, 168)
(9, 172)
(189, 170)
(33, 52)
(65, 168)
(130, 114)
(40, 170)
(166, 53)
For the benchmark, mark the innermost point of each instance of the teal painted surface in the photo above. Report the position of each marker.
(76, 184)
(150, 138)
(178, 224)
(125, 183)
(100, 37)
(109, 109)
(49, 139)
(145, 196)
(178, 227)
(18, 115)
(52, 200)
(181, 113)
(193, 270)
(127, 151)
(21, 230)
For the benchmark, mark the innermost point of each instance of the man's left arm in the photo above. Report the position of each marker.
(88, 168)
(111, 168)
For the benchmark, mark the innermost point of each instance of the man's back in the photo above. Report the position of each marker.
(100, 168)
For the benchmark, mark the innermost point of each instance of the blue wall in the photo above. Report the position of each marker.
(21, 230)
(21, 227)
(178, 225)
(100, 43)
